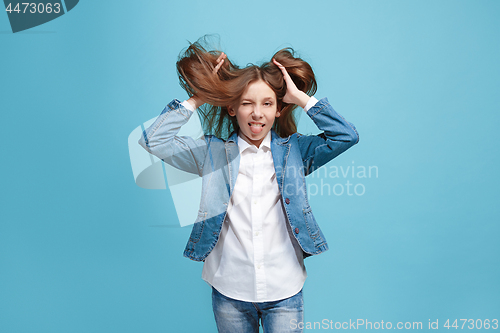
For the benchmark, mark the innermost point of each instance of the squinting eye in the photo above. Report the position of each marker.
(246, 103)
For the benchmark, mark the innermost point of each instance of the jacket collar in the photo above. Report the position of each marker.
(233, 137)
(280, 148)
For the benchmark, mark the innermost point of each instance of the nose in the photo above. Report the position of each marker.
(257, 112)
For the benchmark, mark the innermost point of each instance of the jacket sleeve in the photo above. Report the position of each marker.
(338, 135)
(161, 140)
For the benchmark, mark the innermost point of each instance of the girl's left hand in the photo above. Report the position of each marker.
(293, 94)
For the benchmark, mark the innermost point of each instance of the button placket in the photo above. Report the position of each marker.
(258, 241)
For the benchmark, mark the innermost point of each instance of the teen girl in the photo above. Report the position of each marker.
(254, 225)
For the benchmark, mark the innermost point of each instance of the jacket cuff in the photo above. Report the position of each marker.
(312, 101)
(316, 108)
(177, 105)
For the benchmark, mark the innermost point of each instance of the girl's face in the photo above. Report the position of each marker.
(256, 112)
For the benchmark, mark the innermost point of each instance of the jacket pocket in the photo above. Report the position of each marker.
(312, 227)
(198, 227)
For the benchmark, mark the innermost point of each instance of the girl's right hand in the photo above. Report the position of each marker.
(194, 100)
(220, 61)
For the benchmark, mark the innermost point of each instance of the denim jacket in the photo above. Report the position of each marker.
(217, 162)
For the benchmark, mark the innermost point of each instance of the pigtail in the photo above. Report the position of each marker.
(299, 70)
(302, 75)
(195, 68)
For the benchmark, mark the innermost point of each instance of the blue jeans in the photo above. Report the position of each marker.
(233, 316)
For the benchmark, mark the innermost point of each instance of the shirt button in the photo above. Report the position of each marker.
(255, 202)
(257, 233)
(296, 230)
(258, 266)
(287, 201)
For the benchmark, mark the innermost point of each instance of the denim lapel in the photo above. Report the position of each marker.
(233, 159)
(280, 148)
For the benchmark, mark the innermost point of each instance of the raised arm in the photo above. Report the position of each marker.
(161, 139)
(338, 134)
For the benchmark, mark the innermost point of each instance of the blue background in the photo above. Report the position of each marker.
(83, 249)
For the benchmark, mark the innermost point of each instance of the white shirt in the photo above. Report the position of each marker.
(256, 259)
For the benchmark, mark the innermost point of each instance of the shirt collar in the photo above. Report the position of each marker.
(243, 144)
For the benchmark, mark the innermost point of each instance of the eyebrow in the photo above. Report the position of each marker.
(251, 99)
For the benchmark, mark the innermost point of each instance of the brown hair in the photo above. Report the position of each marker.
(195, 70)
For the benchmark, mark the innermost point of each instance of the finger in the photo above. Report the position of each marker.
(219, 64)
(220, 60)
(221, 57)
(280, 66)
(286, 76)
(216, 69)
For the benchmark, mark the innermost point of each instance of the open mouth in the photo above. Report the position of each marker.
(256, 127)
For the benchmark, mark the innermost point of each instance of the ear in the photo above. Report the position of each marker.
(278, 113)
(231, 111)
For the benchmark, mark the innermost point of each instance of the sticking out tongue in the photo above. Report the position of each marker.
(256, 129)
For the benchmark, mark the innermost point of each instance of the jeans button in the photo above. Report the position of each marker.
(287, 201)
(296, 230)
